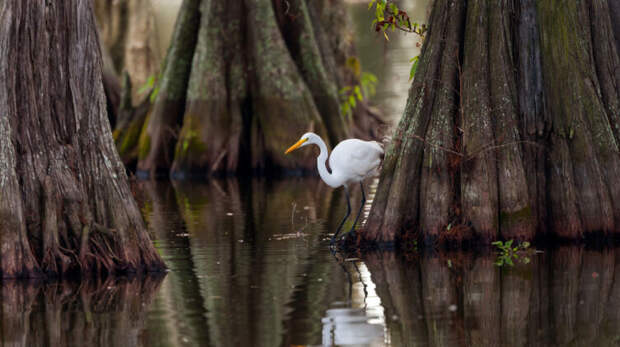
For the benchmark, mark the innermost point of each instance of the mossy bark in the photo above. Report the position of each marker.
(479, 183)
(210, 138)
(334, 38)
(396, 203)
(65, 201)
(614, 14)
(492, 144)
(280, 95)
(437, 195)
(157, 139)
(587, 153)
(245, 99)
(129, 123)
(302, 40)
(515, 214)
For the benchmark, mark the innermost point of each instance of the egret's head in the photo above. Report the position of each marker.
(305, 139)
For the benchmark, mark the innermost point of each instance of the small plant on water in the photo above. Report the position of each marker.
(508, 254)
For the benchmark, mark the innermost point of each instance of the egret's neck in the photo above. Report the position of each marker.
(320, 162)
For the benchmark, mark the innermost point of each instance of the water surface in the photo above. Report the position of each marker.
(249, 266)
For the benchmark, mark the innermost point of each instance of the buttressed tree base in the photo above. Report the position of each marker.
(511, 128)
(226, 105)
(65, 202)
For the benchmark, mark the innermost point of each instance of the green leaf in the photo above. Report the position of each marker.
(497, 243)
(414, 67)
(354, 65)
(394, 8)
(370, 4)
(147, 85)
(154, 95)
(508, 243)
(352, 101)
(525, 244)
(379, 12)
(358, 93)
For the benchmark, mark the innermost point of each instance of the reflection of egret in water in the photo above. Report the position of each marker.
(358, 320)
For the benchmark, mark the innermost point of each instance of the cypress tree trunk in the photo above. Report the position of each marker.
(493, 143)
(238, 102)
(64, 198)
(155, 147)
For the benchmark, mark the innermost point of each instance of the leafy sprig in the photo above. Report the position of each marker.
(508, 254)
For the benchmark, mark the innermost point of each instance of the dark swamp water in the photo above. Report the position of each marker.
(249, 266)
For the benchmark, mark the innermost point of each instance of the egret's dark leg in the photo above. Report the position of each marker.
(361, 208)
(346, 192)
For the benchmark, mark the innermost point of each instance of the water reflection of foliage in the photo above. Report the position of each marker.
(87, 313)
(565, 296)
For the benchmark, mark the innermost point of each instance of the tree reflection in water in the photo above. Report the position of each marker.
(88, 313)
(569, 295)
(254, 270)
(250, 267)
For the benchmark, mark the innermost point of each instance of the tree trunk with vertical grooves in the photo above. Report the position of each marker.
(492, 143)
(243, 100)
(64, 198)
(156, 142)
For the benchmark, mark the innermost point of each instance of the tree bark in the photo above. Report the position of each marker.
(492, 144)
(65, 202)
(243, 100)
(156, 144)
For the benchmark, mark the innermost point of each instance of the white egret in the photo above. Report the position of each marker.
(351, 161)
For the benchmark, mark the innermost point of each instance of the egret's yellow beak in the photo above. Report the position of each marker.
(295, 146)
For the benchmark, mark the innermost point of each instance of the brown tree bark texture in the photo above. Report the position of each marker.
(510, 130)
(64, 197)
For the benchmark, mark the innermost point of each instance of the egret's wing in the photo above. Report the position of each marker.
(355, 159)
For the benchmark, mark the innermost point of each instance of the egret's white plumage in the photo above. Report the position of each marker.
(355, 159)
(351, 161)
